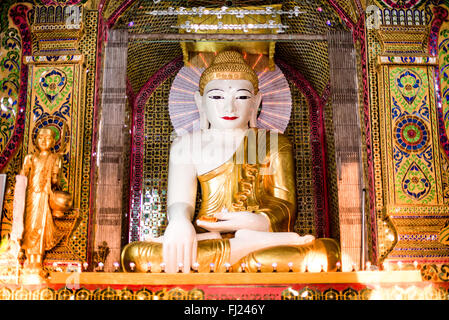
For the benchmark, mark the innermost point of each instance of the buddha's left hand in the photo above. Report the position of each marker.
(233, 221)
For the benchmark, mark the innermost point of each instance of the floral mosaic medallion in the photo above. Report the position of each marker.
(52, 83)
(409, 85)
(411, 134)
(415, 183)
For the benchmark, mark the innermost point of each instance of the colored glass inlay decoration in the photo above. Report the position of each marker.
(411, 133)
(52, 83)
(409, 84)
(401, 4)
(415, 183)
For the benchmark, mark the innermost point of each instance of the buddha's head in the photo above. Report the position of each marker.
(45, 139)
(228, 96)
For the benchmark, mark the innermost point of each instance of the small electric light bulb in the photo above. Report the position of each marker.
(274, 265)
(338, 266)
(368, 266)
(195, 267)
(290, 267)
(132, 265)
(243, 266)
(227, 266)
(56, 266)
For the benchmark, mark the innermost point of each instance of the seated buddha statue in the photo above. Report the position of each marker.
(247, 180)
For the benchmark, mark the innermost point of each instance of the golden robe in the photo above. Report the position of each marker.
(40, 233)
(260, 178)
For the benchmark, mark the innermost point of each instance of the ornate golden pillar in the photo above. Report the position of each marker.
(414, 208)
(55, 100)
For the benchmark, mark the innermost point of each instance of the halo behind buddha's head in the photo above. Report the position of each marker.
(46, 131)
(229, 65)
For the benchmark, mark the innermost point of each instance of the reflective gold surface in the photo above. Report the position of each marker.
(141, 253)
(42, 170)
(253, 47)
(60, 202)
(263, 186)
(120, 278)
(321, 254)
(229, 65)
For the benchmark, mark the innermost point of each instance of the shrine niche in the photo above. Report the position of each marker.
(355, 90)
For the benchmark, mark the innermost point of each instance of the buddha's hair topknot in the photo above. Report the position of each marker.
(229, 65)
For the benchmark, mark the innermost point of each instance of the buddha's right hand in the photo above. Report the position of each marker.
(179, 245)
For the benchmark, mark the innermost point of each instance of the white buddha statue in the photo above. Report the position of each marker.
(247, 179)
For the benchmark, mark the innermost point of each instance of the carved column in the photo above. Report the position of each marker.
(111, 145)
(410, 151)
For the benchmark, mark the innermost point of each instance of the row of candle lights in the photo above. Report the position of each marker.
(243, 267)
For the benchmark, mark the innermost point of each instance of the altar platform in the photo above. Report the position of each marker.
(361, 285)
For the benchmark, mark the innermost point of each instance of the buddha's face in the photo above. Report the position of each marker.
(228, 104)
(45, 140)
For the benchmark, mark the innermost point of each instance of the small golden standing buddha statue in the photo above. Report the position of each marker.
(43, 201)
(248, 206)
